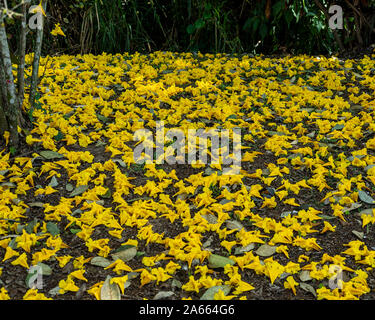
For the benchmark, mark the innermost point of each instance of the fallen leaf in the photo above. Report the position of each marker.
(367, 212)
(36, 204)
(265, 250)
(79, 190)
(163, 295)
(49, 155)
(125, 254)
(240, 250)
(100, 262)
(46, 269)
(304, 275)
(210, 218)
(53, 183)
(353, 206)
(358, 234)
(363, 196)
(110, 291)
(52, 228)
(307, 287)
(210, 293)
(216, 261)
(234, 225)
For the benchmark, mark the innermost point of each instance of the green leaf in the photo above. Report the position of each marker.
(338, 127)
(363, 196)
(210, 293)
(216, 261)
(125, 254)
(79, 190)
(59, 136)
(52, 228)
(53, 183)
(103, 118)
(199, 23)
(46, 269)
(100, 262)
(12, 150)
(190, 29)
(30, 226)
(265, 250)
(75, 231)
(49, 155)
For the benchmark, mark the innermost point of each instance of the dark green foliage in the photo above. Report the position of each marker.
(251, 26)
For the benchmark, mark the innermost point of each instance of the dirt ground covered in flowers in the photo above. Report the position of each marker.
(296, 223)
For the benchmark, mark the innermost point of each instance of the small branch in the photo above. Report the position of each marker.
(360, 14)
(357, 29)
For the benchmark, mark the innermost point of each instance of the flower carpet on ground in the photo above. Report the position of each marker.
(80, 219)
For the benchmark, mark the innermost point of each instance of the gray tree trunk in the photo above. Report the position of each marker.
(22, 52)
(37, 53)
(11, 108)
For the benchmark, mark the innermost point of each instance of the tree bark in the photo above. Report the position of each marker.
(3, 120)
(22, 53)
(37, 53)
(11, 107)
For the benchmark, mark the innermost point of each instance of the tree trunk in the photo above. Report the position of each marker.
(22, 52)
(3, 120)
(11, 107)
(37, 53)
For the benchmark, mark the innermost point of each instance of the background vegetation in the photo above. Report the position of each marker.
(251, 26)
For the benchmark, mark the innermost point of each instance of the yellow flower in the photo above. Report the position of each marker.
(57, 30)
(21, 260)
(269, 203)
(171, 267)
(291, 202)
(26, 241)
(9, 253)
(146, 277)
(6, 137)
(243, 286)
(120, 281)
(39, 8)
(283, 249)
(63, 260)
(78, 274)
(95, 290)
(221, 296)
(228, 244)
(290, 283)
(160, 275)
(192, 285)
(119, 266)
(42, 255)
(328, 227)
(67, 285)
(4, 294)
(33, 294)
